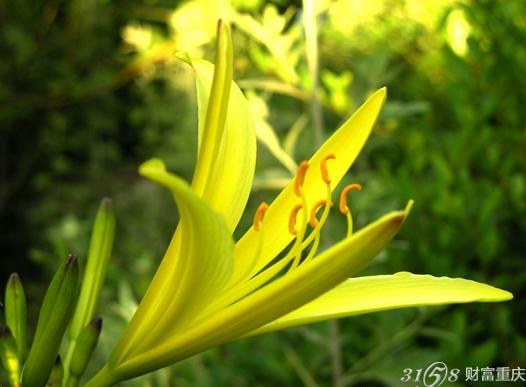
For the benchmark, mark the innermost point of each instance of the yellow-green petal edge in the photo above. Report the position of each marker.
(383, 292)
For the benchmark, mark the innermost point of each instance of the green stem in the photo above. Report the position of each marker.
(311, 38)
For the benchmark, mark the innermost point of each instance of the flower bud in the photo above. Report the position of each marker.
(84, 348)
(57, 374)
(9, 356)
(55, 314)
(16, 314)
(100, 247)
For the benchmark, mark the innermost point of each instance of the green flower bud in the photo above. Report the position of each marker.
(100, 247)
(57, 373)
(84, 348)
(16, 314)
(9, 355)
(55, 314)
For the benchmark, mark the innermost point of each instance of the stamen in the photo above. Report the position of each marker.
(312, 219)
(314, 248)
(300, 177)
(323, 165)
(323, 219)
(258, 216)
(343, 196)
(343, 206)
(292, 219)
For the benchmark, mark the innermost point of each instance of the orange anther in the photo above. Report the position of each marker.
(312, 219)
(300, 176)
(258, 216)
(323, 165)
(343, 196)
(292, 219)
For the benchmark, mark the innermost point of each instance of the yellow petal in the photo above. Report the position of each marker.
(346, 143)
(196, 266)
(216, 110)
(383, 292)
(227, 143)
(287, 293)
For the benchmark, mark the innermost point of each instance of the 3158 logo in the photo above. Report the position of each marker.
(434, 375)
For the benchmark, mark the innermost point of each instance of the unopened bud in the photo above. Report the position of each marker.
(57, 373)
(84, 347)
(55, 314)
(9, 356)
(16, 314)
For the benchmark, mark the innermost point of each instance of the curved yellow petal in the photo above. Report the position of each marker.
(346, 143)
(287, 293)
(196, 266)
(227, 141)
(383, 292)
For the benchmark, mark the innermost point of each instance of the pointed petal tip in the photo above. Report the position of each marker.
(182, 55)
(493, 294)
(487, 293)
(408, 208)
(401, 216)
(502, 295)
(380, 93)
(151, 167)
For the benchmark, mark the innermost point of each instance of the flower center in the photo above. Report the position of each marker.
(302, 239)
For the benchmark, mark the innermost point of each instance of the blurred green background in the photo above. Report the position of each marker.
(91, 88)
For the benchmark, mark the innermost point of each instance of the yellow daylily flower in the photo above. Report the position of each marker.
(209, 290)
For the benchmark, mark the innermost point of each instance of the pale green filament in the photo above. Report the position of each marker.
(298, 248)
(314, 247)
(348, 215)
(316, 232)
